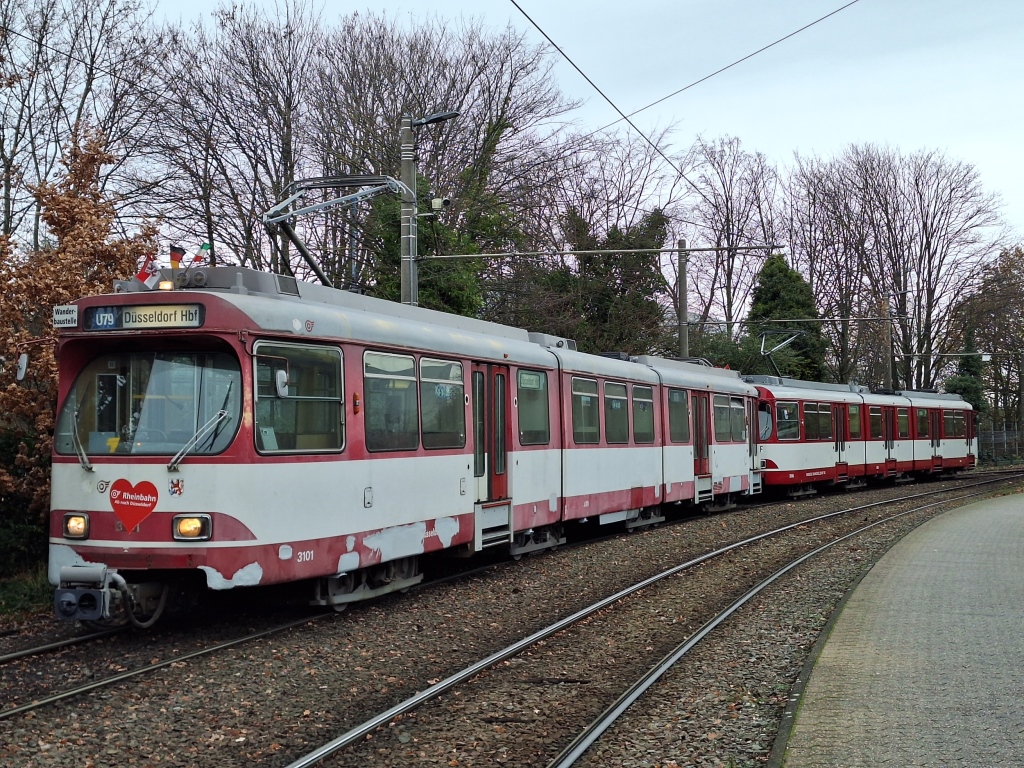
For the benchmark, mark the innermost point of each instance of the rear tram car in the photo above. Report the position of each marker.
(247, 429)
(828, 434)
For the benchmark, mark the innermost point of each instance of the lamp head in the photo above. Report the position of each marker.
(437, 117)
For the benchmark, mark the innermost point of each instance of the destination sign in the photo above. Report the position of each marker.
(150, 316)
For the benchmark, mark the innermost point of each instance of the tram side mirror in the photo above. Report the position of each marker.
(281, 382)
(22, 366)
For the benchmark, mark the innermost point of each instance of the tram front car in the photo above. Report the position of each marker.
(150, 402)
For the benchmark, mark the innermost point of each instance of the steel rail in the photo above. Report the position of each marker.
(606, 719)
(11, 712)
(435, 690)
(58, 644)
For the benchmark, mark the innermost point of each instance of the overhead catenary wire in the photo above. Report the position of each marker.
(627, 118)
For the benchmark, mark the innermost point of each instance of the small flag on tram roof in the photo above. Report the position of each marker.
(203, 254)
(149, 271)
(176, 253)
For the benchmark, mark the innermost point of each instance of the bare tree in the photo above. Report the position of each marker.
(482, 160)
(736, 199)
(1000, 333)
(898, 239)
(830, 245)
(594, 188)
(64, 65)
(233, 132)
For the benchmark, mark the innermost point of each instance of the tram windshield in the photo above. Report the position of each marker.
(152, 403)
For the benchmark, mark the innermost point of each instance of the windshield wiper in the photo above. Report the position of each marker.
(172, 465)
(223, 406)
(83, 458)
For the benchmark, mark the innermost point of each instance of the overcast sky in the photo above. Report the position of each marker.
(911, 74)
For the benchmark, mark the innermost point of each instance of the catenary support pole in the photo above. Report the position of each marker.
(683, 314)
(410, 278)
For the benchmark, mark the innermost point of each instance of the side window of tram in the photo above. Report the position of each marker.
(443, 398)
(922, 422)
(616, 415)
(723, 426)
(818, 421)
(532, 399)
(953, 423)
(764, 420)
(738, 419)
(903, 422)
(787, 416)
(855, 433)
(299, 398)
(392, 414)
(875, 423)
(585, 412)
(678, 416)
(643, 414)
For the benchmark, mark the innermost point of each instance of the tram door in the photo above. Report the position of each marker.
(701, 433)
(839, 422)
(935, 433)
(889, 422)
(491, 401)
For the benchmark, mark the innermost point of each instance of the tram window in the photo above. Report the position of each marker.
(532, 398)
(307, 416)
(903, 422)
(764, 420)
(738, 419)
(922, 422)
(723, 428)
(585, 418)
(818, 421)
(643, 414)
(875, 431)
(678, 416)
(953, 423)
(810, 421)
(855, 433)
(825, 421)
(787, 416)
(616, 416)
(443, 401)
(500, 449)
(389, 383)
(479, 426)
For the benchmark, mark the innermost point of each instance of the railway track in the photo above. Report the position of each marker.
(127, 674)
(497, 680)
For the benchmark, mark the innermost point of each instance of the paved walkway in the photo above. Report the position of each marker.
(925, 666)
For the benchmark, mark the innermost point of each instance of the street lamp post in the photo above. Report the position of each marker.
(409, 233)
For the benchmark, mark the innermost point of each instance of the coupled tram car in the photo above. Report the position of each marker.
(244, 428)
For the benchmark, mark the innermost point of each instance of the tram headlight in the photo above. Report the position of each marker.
(191, 527)
(76, 525)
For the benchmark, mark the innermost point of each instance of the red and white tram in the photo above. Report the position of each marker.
(246, 429)
(812, 433)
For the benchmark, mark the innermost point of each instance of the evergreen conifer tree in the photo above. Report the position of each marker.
(782, 293)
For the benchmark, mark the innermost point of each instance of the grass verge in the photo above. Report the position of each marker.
(29, 591)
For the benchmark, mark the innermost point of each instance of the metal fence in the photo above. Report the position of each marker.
(996, 446)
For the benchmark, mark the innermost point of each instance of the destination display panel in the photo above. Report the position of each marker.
(142, 317)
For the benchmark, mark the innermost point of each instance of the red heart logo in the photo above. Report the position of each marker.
(132, 503)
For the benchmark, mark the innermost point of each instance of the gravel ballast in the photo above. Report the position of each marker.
(271, 701)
